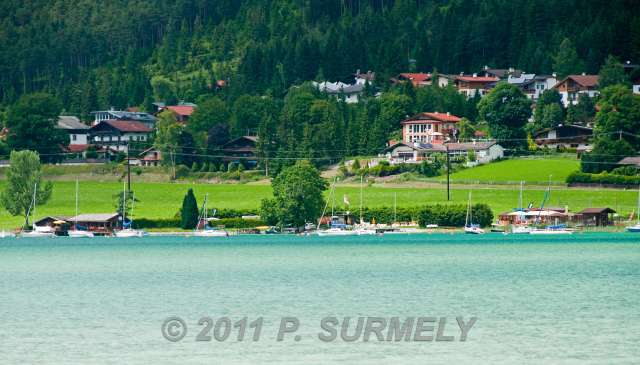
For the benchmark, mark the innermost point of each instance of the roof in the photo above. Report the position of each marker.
(70, 122)
(467, 78)
(433, 116)
(630, 161)
(126, 115)
(100, 217)
(75, 148)
(501, 72)
(582, 80)
(184, 110)
(596, 211)
(253, 139)
(564, 126)
(338, 87)
(466, 146)
(416, 77)
(126, 126)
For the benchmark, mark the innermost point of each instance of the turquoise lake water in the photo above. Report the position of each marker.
(538, 300)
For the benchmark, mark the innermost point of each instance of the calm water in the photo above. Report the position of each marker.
(539, 300)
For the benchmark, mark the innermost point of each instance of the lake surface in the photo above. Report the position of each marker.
(538, 300)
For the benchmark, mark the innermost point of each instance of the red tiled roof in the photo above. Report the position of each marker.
(128, 126)
(416, 77)
(181, 109)
(467, 78)
(439, 117)
(584, 80)
(74, 148)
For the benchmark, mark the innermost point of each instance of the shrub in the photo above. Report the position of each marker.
(602, 178)
(182, 171)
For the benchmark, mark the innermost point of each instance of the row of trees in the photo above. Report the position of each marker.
(95, 55)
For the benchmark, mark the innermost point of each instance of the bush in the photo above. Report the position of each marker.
(626, 171)
(602, 178)
(454, 215)
(442, 215)
(143, 223)
(182, 171)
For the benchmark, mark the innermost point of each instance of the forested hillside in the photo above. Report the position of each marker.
(95, 54)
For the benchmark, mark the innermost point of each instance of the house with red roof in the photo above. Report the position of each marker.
(119, 134)
(418, 79)
(471, 85)
(183, 111)
(429, 128)
(574, 85)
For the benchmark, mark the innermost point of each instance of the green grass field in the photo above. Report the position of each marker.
(529, 170)
(160, 200)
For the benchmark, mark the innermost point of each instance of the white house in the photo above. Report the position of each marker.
(533, 85)
(574, 85)
(77, 131)
(485, 152)
(339, 90)
(118, 134)
(636, 85)
(144, 118)
(429, 127)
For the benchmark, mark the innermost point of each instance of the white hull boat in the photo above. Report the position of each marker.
(211, 233)
(635, 229)
(5, 234)
(34, 234)
(336, 232)
(80, 234)
(365, 232)
(473, 230)
(520, 230)
(551, 231)
(128, 233)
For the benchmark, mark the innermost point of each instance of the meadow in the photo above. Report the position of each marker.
(531, 170)
(163, 200)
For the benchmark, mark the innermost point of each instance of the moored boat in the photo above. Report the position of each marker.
(203, 220)
(469, 227)
(76, 232)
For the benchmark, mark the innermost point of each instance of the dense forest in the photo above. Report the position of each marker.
(96, 54)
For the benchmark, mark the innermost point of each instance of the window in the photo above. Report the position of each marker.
(74, 137)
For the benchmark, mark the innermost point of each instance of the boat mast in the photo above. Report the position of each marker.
(361, 197)
(33, 211)
(124, 203)
(466, 218)
(638, 209)
(76, 219)
(395, 205)
(520, 207)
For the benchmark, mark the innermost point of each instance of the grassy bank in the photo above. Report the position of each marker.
(531, 170)
(162, 200)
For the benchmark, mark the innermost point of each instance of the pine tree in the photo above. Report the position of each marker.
(189, 213)
(566, 61)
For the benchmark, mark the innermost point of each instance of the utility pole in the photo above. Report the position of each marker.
(448, 174)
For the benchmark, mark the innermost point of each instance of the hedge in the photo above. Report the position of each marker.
(442, 215)
(578, 177)
(144, 223)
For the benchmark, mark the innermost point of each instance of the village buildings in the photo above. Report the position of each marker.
(574, 85)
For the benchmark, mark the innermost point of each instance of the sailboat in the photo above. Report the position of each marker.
(207, 231)
(335, 227)
(469, 227)
(521, 227)
(636, 227)
(37, 231)
(552, 229)
(75, 232)
(127, 231)
(363, 229)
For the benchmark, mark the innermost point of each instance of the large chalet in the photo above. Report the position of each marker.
(574, 85)
(118, 134)
(429, 128)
